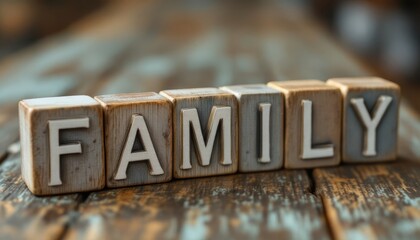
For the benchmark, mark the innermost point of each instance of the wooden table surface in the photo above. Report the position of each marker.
(154, 45)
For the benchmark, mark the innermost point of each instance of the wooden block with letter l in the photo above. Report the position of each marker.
(370, 118)
(138, 138)
(62, 144)
(205, 132)
(312, 123)
(261, 113)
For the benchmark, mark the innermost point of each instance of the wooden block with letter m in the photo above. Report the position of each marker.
(205, 132)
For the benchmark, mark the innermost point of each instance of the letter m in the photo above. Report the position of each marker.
(219, 117)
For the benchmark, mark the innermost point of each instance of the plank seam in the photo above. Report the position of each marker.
(313, 190)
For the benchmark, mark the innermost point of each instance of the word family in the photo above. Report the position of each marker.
(78, 143)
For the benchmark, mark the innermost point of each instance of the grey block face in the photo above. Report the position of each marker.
(79, 172)
(370, 90)
(250, 98)
(156, 111)
(203, 100)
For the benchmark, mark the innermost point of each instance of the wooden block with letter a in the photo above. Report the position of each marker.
(312, 125)
(62, 144)
(370, 118)
(138, 138)
(261, 113)
(205, 132)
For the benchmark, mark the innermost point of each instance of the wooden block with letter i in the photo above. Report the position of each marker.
(260, 133)
(312, 124)
(205, 132)
(62, 144)
(138, 137)
(370, 118)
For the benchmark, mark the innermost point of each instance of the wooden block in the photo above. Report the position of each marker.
(62, 144)
(205, 132)
(261, 113)
(312, 125)
(370, 118)
(138, 138)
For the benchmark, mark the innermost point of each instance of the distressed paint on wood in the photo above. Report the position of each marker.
(25, 216)
(260, 205)
(371, 201)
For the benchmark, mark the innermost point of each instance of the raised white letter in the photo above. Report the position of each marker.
(369, 123)
(265, 133)
(189, 119)
(56, 149)
(309, 152)
(149, 153)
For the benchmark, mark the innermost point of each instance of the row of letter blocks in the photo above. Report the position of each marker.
(78, 143)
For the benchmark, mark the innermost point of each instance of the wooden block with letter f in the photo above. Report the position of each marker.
(261, 113)
(62, 144)
(205, 132)
(370, 118)
(312, 125)
(138, 136)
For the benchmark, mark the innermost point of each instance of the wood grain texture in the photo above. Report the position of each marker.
(79, 172)
(326, 121)
(203, 99)
(268, 205)
(250, 126)
(353, 136)
(157, 113)
(154, 45)
(380, 201)
(25, 216)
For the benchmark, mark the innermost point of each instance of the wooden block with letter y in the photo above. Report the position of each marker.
(370, 118)
(312, 125)
(138, 137)
(62, 144)
(205, 132)
(261, 113)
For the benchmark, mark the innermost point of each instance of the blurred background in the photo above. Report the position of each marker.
(383, 34)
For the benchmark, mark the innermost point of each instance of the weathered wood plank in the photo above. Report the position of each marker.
(25, 216)
(380, 201)
(248, 206)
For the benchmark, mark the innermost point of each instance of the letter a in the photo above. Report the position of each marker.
(149, 154)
